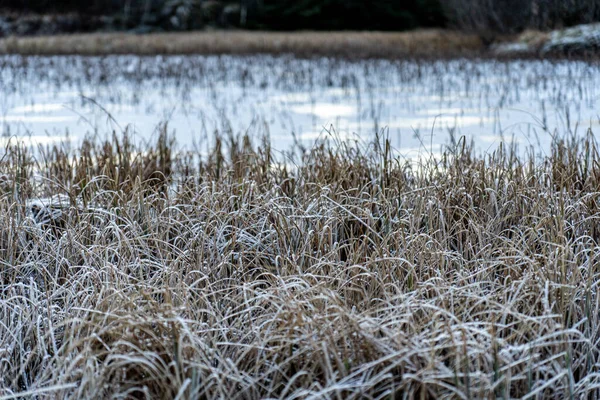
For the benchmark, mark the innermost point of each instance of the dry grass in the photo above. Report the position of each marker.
(163, 274)
(349, 44)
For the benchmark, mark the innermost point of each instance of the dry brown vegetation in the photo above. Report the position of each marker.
(349, 44)
(157, 273)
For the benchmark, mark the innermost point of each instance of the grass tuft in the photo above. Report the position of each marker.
(150, 272)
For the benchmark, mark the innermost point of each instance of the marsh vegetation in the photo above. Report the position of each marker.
(147, 272)
(330, 269)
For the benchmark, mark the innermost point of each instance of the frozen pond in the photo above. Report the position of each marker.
(419, 105)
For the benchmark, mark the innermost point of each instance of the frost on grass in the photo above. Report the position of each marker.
(153, 273)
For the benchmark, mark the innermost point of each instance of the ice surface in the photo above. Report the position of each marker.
(416, 104)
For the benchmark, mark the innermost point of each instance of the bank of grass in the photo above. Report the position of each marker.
(347, 273)
(347, 44)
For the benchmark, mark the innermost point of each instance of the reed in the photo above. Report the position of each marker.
(348, 273)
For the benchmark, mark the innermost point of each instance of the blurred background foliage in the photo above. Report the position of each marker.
(350, 14)
(496, 16)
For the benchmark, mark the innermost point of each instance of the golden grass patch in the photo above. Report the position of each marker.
(433, 42)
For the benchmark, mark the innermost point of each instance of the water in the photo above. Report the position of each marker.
(419, 105)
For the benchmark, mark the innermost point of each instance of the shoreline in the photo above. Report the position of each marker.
(430, 43)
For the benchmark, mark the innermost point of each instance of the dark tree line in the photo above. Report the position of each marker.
(89, 6)
(496, 16)
(351, 14)
(258, 14)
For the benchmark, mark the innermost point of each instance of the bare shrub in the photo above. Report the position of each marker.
(510, 16)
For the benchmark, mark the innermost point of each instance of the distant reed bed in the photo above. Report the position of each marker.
(424, 43)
